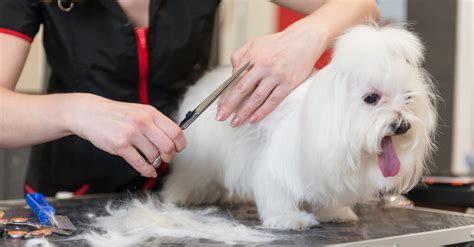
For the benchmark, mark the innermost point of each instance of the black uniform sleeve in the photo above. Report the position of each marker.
(21, 18)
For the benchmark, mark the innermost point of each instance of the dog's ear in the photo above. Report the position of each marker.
(405, 44)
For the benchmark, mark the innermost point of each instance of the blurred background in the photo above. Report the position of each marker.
(445, 26)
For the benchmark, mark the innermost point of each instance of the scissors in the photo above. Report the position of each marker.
(191, 116)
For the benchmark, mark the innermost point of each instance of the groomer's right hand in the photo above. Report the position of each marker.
(125, 129)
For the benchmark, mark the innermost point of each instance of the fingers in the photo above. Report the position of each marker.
(162, 142)
(146, 147)
(153, 134)
(132, 157)
(237, 94)
(275, 98)
(256, 99)
(171, 130)
(236, 57)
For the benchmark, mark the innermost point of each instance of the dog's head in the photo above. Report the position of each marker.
(388, 109)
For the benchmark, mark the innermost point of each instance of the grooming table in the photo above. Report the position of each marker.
(377, 226)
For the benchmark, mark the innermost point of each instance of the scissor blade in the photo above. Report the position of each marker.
(214, 95)
(193, 115)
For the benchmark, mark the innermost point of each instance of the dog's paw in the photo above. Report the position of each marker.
(173, 196)
(337, 215)
(296, 220)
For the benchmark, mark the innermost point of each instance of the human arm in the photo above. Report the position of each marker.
(115, 127)
(284, 60)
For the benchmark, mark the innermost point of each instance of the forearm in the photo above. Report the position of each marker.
(130, 130)
(330, 18)
(31, 119)
(302, 6)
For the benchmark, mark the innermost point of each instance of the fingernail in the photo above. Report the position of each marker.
(155, 174)
(235, 122)
(220, 116)
(253, 119)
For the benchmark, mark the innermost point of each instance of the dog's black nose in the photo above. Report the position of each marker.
(400, 128)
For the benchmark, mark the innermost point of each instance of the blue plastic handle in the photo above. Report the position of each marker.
(40, 207)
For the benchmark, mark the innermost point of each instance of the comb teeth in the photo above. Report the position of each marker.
(63, 222)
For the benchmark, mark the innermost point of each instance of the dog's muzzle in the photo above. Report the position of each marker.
(400, 127)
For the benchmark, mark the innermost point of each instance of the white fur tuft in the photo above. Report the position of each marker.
(140, 220)
(39, 242)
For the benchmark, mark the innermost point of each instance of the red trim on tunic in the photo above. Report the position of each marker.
(17, 34)
(285, 18)
(83, 190)
(150, 183)
(142, 49)
(28, 189)
(324, 59)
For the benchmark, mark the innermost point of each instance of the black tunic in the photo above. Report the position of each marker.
(93, 49)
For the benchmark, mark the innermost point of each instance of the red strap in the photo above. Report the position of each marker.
(142, 49)
(324, 59)
(150, 183)
(83, 190)
(28, 189)
(163, 168)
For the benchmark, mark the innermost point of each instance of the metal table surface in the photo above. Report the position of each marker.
(377, 226)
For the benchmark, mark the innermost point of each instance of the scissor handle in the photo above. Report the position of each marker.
(188, 119)
(40, 207)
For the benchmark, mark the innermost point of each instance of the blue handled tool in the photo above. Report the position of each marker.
(41, 208)
(46, 213)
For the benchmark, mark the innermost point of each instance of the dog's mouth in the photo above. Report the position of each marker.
(389, 163)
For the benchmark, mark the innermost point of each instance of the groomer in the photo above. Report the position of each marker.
(118, 70)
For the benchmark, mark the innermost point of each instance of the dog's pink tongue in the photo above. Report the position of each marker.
(388, 160)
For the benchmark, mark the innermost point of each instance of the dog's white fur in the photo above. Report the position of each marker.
(137, 221)
(312, 158)
(320, 146)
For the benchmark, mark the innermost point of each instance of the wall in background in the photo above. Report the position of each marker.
(393, 10)
(463, 140)
(242, 20)
(32, 79)
(13, 164)
(435, 22)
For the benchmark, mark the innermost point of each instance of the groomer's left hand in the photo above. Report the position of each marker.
(281, 61)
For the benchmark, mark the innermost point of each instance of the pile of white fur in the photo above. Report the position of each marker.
(138, 221)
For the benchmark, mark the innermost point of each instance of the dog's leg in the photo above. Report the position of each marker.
(341, 214)
(278, 209)
(191, 187)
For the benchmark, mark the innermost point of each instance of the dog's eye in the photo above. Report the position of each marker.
(407, 95)
(372, 98)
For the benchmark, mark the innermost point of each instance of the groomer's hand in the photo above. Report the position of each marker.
(281, 62)
(125, 129)
(284, 60)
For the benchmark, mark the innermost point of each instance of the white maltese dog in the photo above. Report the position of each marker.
(360, 127)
